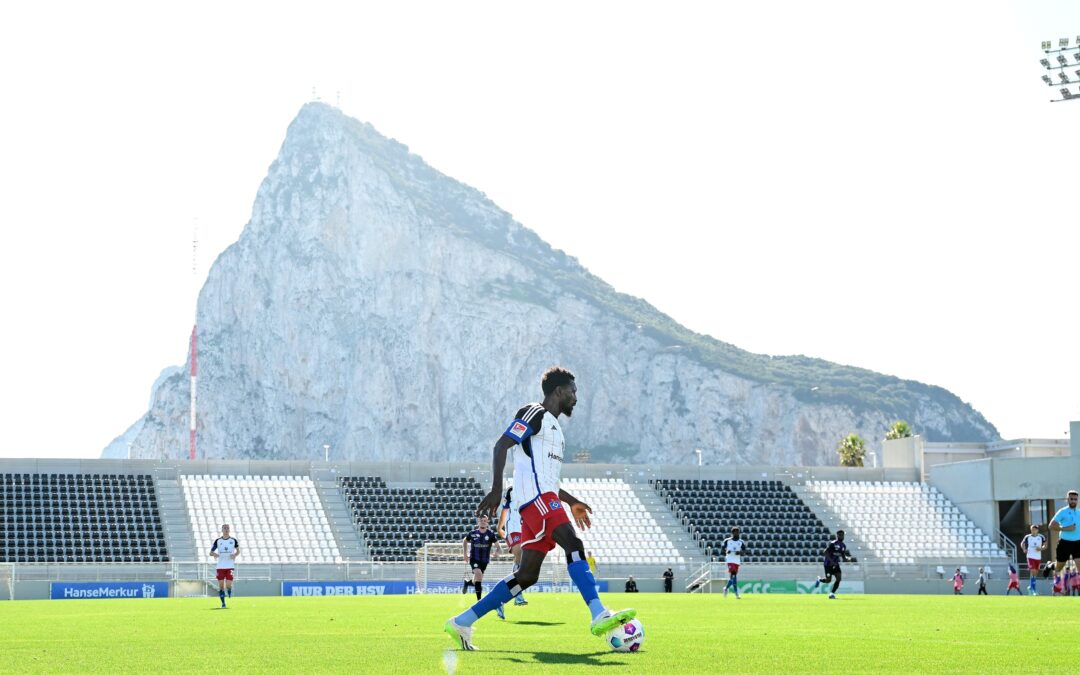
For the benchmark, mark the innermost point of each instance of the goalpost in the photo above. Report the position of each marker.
(7, 580)
(441, 568)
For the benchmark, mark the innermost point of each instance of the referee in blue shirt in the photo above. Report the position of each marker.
(1064, 523)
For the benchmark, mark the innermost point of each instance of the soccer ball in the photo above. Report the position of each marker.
(626, 638)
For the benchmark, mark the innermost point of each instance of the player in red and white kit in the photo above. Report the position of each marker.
(539, 446)
(1033, 544)
(224, 551)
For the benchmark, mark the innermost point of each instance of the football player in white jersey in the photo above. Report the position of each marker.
(224, 551)
(510, 530)
(1033, 545)
(539, 446)
(733, 549)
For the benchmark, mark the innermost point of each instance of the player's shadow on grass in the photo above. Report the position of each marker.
(558, 659)
(539, 623)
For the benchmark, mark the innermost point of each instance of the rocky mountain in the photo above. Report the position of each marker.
(378, 306)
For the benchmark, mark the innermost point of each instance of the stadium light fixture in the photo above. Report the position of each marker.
(1062, 60)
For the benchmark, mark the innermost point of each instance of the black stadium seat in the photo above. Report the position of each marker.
(77, 517)
(789, 531)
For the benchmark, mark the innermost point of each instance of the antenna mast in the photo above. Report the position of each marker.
(194, 332)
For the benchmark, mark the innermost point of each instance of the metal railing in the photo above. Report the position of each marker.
(1007, 545)
(700, 581)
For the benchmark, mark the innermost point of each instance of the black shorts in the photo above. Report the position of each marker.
(1067, 548)
(831, 570)
(477, 565)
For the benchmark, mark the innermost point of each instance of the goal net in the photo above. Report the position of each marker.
(441, 568)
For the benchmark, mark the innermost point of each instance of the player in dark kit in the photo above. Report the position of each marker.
(536, 438)
(477, 551)
(834, 553)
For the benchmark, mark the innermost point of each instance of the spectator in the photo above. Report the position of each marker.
(982, 582)
(669, 577)
(957, 583)
(1014, 580)
(631, 585)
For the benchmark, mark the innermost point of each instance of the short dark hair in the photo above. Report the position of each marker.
(555, 377)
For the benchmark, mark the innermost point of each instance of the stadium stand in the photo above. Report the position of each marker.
(275, 519)
(398, 521)
(80, 518)
(904, 522)
(775, 524)
(623, 530)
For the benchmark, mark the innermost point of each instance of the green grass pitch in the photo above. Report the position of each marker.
(683, 634)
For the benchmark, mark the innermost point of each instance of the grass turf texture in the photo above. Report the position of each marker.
(683, 634)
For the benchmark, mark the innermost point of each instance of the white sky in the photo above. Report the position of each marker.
(877, 184)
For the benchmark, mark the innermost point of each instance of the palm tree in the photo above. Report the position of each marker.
(852, 450)
(899, 429)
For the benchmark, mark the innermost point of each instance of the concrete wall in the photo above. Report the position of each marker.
(1035, 478)
(901, 453)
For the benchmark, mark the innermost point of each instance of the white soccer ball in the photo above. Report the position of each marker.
(626, 638)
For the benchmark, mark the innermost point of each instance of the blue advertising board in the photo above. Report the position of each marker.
(322, 588)
(60, 590)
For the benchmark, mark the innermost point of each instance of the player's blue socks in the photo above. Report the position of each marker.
(229, 592)
(221, 594)
(583, 579)
(1032, 584)
(499, 595)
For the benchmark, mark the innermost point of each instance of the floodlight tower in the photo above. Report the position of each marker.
(1056, 62)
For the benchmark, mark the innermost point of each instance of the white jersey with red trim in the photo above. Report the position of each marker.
(538, 455)
(1032, 544)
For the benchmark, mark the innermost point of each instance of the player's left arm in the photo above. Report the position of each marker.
(236, 548)
(580, 509)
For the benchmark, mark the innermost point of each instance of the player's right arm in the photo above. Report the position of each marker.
(498, 462)
(526, 422)
(465, 548)
(213, 549)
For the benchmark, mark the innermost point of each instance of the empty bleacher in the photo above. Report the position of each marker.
(398, 521)
(904, 522)
(79, 518)
(275, 519)
(623, 530)
(775, 524)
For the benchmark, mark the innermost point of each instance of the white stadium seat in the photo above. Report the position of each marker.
(904, 522)
(275, 518)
